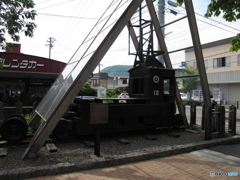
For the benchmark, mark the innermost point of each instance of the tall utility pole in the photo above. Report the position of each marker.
(50, 40)
(161, 18)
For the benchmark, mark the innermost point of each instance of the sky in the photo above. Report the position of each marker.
(70, 21)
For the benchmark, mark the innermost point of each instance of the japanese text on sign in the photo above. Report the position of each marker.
(23, 64)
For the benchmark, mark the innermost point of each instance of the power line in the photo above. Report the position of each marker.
(42, 2)
(65, 47)
(218, 22)
(62, 16)
(68, 27)
(113, 7)
(201, 28)
(54, 5)
(70, 17)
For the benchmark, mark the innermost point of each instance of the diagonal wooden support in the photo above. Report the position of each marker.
(53, 117)
(200, 63)
(166, 57)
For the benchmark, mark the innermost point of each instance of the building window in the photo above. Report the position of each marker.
(110, 81)
(113, 81)
(205, 64)
(124, 81)
(239, 59)
(195, 65)
(221, 62)
(95, 82)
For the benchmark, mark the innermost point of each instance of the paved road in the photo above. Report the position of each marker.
(228, 155)
(220, 162)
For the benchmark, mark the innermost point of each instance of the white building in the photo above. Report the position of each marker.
(111, 81)
(222, 68)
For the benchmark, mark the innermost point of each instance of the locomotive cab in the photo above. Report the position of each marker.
(151, 104)
(157, 84)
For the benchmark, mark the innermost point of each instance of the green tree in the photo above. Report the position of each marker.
(111, 93)
(16, 16)
(229, 10)
(87, 90)
(189, 83)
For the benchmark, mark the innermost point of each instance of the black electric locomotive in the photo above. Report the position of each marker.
(151, 104)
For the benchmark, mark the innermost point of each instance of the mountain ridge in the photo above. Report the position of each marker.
(117, 70)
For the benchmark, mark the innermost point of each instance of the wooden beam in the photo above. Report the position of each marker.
(232, 119)
(51, 147)
(3, 152)
(166, 57)
(79, 81)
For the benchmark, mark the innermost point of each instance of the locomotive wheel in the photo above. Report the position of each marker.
(14, 128)
(178, 121)
(61, 132)
(63, 129)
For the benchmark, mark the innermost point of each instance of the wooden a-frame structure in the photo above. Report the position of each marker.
(78, 70)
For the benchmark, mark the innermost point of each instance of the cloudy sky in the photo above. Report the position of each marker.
(69, 21)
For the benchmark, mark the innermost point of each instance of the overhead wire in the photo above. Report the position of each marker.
(68, 27)
(109, 25)
(54, 5)
(42, 2)
(66, 32)
(69, 18)
(218, 22)
(63, 16)
(106, 16)
(90, 33)
(201, 27)
(64, 46)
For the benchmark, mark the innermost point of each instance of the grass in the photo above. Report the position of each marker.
(216, 136)
(195, 127)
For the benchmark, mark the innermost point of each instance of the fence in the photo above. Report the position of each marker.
(18, 109)
(235, 103)
(218, 120)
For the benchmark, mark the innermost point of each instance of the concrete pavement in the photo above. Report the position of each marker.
(227, 154)
(183, 166)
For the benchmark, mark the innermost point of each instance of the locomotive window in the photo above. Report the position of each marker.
(166, 86)
(138, 86)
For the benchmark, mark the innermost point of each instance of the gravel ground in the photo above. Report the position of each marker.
(110, 147)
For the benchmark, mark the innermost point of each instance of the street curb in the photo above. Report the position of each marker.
(101, 162)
